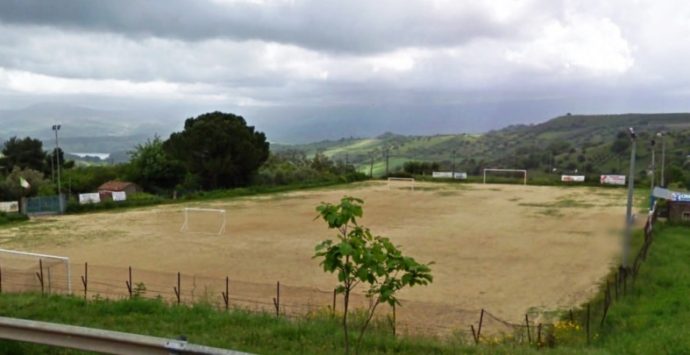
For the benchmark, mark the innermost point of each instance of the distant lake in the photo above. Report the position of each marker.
(102, 156)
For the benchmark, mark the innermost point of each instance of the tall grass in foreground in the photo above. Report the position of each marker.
(318, 333)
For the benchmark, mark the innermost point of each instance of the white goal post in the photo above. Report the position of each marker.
(523, 171)
(405, 182)
(22, 270)
(220, 212)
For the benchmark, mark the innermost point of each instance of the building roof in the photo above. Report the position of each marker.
(115, 185)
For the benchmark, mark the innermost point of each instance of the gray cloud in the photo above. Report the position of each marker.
(303, 70)
(339, 26)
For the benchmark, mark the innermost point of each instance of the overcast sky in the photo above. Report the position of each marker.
(303, 70)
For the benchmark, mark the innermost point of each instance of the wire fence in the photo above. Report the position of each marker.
(110, 282)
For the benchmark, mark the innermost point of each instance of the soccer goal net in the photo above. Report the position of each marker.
(31, 272)
(204, 220)
(400, 183)
(507, 173)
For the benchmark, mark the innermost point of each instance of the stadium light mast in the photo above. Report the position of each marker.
(663, 158)
(653, 175)
(627, 236)
(56, 128)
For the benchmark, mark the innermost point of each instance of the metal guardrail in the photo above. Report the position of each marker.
(98, 340)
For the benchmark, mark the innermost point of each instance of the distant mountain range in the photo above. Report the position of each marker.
(589, 138)
(83, 129)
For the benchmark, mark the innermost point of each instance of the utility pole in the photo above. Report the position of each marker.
(628, 213)
(663, 158)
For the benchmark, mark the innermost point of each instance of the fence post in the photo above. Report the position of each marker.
(539, 335)
(333, 307)
(607, 302)
(276, 300)
(474, 335)
(616, 283)
(85, 279)
(226, 294)
(529, 337)
(479, 329)
(129, 283)
(178, 288)
(40, 275)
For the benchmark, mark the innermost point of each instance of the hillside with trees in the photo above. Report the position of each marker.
(589, 144)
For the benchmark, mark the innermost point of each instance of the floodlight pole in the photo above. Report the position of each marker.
(663, 158)
(628, 214)
(56, 128)
(651, 189)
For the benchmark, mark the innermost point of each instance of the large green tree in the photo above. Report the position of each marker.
(219, 148)
(152, 168)
(26, 153)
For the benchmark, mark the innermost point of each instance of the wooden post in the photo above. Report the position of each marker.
(335, 292)
(85, 279)
(178, 288)
(479, 329)
(572, 317)
(40, 275)
(474, 335)
(587, 324)
(616, 286)
(226, 294)
(607, 302)
(129, 283)
(276, 300)
(529, 337)
(539, 335)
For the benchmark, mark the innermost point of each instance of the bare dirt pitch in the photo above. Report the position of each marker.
(505, 248)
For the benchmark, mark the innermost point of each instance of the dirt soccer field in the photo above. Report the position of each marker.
(505, 248)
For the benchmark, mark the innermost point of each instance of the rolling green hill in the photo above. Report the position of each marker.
(584, 143)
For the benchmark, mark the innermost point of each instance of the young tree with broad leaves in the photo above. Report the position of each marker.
(360, 258)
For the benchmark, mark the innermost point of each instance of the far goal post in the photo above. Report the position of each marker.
(190, 212)
(401, 183)
(521, 171)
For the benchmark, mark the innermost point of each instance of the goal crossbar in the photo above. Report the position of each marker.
(523, 171)
(393, 179)
(185, 225)
(62, 259)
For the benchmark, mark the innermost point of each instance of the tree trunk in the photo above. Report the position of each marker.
(345, 307)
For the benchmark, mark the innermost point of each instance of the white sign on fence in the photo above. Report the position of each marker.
(119, 196)
(612, 179)
(448, 175)
(89, 198)
(12, 206)
(573, 178)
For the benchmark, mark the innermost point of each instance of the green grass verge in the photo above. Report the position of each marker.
(239, 330)
(655, 317)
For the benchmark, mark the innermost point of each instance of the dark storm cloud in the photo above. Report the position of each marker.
(331, 25)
